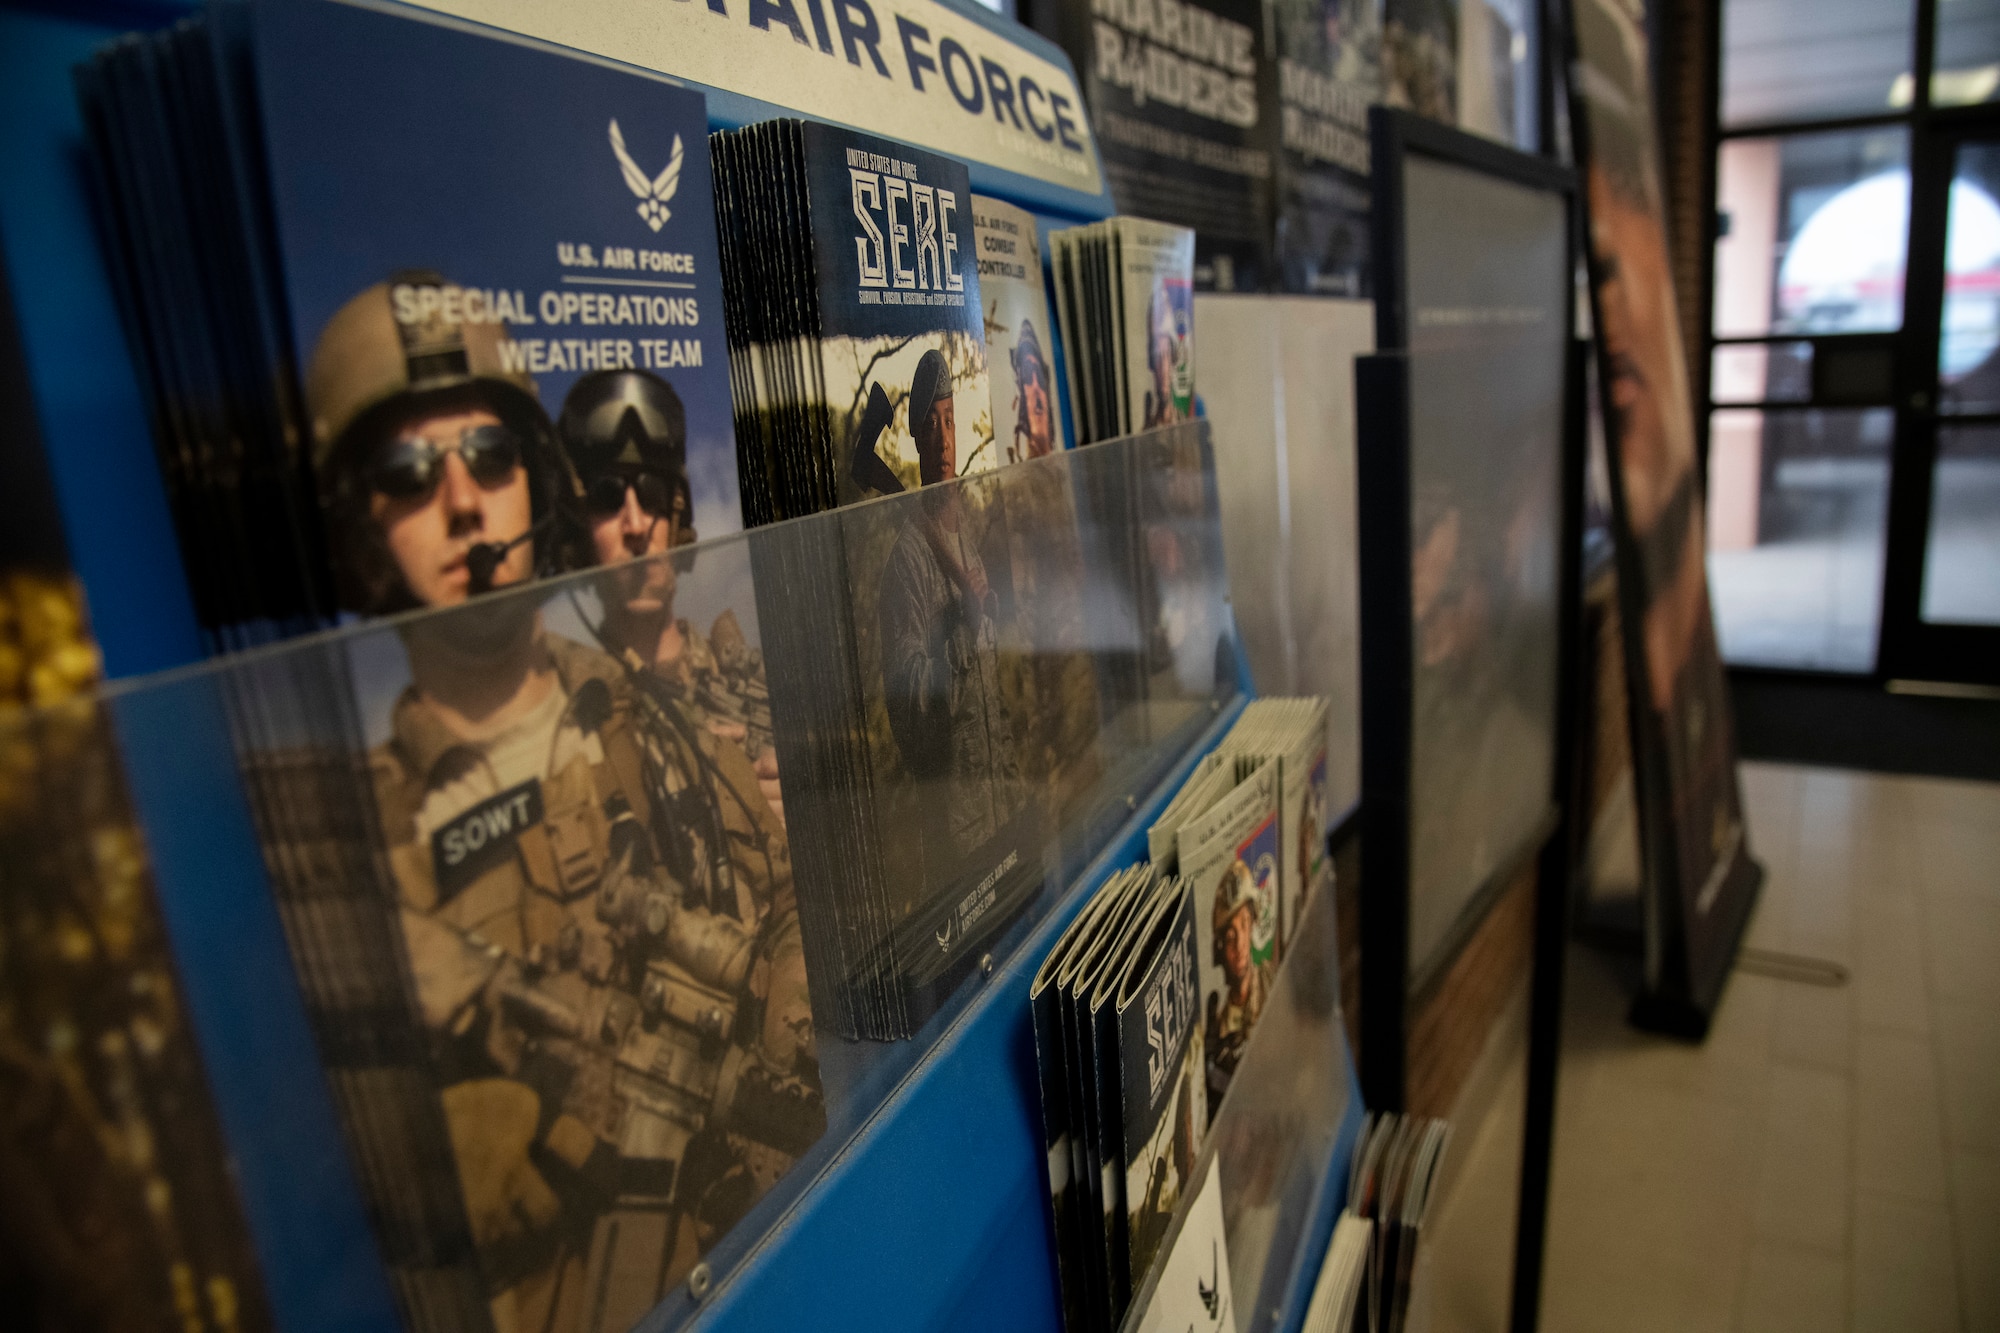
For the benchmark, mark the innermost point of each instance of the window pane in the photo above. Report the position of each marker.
(1968, 369)
(1962, 555)
(1966, 66)
(1812, 233)
(1797, 508)
(1761, 373)
(1803, 59)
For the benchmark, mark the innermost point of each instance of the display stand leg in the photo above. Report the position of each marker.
(1545, 1000)
(1553, 879)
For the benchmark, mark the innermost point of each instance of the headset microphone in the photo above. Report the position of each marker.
(482, 559)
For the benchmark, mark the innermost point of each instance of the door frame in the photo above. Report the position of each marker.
(1912, 649)
(1910, 653)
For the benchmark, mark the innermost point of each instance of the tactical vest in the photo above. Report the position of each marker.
(535, 937)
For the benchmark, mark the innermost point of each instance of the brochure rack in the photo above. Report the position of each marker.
(924, 1206)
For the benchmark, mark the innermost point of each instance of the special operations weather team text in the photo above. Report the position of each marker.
(415, 304)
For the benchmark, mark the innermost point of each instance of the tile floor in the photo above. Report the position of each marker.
(1830, 1158)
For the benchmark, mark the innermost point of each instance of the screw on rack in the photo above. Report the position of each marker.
(1131, 801)
(699, 1280)
(986, 965)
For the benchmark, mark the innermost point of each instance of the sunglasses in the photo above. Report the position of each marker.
(605, 495)
(410, 468)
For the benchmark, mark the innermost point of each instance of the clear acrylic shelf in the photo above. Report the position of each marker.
(535, 958)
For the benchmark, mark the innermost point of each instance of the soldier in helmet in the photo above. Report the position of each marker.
(436, 464)
(1034, 413)
(940, 661)
(1164, 350)
(1232, 1014)
(625, 433)
(596, 899)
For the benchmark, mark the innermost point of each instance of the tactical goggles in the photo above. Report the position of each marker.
(607, 427)
(605, 494)
(410, 468)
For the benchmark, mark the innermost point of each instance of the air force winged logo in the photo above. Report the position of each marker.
(1211, 1290)
(655, 192)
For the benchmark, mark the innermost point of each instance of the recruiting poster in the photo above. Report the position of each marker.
(1182, 95)
(1700, 882)
(1329, 74)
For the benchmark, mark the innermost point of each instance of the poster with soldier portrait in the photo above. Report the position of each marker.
(1420, 57)
(509, 333)
(1699, 879)
(1020, 341)
(1329, 74)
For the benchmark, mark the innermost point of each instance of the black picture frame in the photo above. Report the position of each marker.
(1390, 989)
(1392, 982)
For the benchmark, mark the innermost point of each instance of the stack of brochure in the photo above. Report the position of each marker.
(1247, 833)
(858, 354)
(424, 315)
(1390, 1182)
(1125, 299)
(194, 263)
(937, 714)
(307, 285)
(853, 287)
(1157, 971)
(1337, 1294)
(1118, 1043)
(1020, 341)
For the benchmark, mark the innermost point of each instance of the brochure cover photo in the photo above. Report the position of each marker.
(1020, 339)
(511, 324)
(594, 895)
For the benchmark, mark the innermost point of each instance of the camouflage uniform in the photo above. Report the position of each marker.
(941, 685)
(1229, 1027)
(1230, 1021)
(721, 679)
(614, 978)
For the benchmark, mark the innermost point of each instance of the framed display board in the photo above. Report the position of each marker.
(1469, 502)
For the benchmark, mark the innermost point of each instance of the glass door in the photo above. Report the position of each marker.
(1853, 378)
(1942, 608)
(1801, 423)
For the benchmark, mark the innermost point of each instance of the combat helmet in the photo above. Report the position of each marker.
(929, 385)
(619, 423)
(413, 345)
(1235, 892)
(1026, 355)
